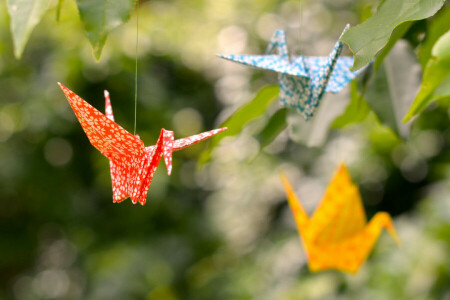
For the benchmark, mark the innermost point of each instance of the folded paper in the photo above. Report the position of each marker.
(302, 79)
(132, 165)
(338, 236)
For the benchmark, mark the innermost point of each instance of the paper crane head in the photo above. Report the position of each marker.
(304, 79)
(338, 236)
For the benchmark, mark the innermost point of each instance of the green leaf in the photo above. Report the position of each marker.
(383, 136)
(393, 87)
(100, 17)
(443, 90)
(277, 123)
(58, 9)
(438, 25)
(24, 16)
(242, 116)
(356, 111)
(366, 39)
(399, 32)
(436, 72)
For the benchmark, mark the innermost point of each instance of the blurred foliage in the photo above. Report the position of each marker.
(367, 39)
(25, 15)
(392, 87)
(254, 108)
(223, 231)
(100, 17)
(436, 71)
(436, 27)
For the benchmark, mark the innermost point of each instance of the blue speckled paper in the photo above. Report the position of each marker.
(302, 79)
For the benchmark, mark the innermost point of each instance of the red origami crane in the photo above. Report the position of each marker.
(132, 165)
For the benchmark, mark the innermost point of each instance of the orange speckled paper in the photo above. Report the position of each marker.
(338, 236)
(132, 165)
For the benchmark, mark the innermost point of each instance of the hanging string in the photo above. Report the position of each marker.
(300, 26)
(136, 66)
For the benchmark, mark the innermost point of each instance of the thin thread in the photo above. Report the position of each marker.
(300, 25)
(136, 66)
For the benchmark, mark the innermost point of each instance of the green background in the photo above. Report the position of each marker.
(222, 231)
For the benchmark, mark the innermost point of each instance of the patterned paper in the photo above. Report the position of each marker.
(302, 79)
(338, 236)
(132, 165)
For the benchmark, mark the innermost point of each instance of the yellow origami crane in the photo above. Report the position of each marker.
(338, 235)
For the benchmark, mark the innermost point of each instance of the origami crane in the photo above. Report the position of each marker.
(338, 236)
(132, 165)
(302, 79)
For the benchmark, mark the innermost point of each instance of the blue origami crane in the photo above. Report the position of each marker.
(302, 79)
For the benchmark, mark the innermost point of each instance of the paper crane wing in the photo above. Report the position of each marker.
(164, 147)
(108, 137)
(340, 213)
(118, 168)
(340, 76)
(181, 144)
(269, 62)
(194, 139)
(279, 63)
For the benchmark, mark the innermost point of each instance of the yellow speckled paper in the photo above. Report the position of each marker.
(338, 236)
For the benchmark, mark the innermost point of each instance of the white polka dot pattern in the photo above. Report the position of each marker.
(302, 79)
(132, 165)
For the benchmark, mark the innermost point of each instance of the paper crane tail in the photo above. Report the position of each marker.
(104, 134)
(118, 169)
